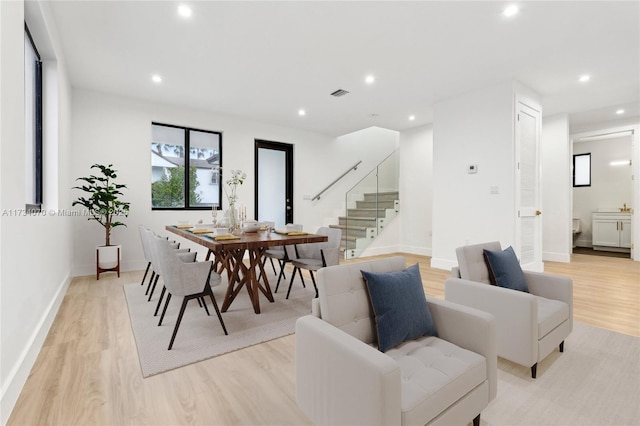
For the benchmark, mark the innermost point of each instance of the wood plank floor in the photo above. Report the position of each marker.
(88, 372)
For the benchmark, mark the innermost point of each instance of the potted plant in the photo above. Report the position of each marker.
(104, 206)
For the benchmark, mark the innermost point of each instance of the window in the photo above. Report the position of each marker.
(185, 161)
(582, 170)
(33, 123)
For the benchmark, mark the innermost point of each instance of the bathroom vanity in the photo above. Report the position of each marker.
(611, 231)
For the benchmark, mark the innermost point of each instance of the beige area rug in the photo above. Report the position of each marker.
(595, 381)
(200, 336)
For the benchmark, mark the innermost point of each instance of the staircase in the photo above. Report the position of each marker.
(362, 224)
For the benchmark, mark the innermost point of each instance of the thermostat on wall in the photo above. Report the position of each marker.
(472, 168)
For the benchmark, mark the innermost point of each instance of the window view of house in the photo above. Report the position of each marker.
(184, 181)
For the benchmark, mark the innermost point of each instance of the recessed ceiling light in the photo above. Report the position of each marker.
(510, 11)
(302, 112)
(620, 111)
(412, 117)
(369, 79)
(156, 78)
(184, 11)
(584, 78)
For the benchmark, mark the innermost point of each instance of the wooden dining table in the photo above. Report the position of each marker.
(229, 256)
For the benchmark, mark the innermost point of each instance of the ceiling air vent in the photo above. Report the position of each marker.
(339, 93)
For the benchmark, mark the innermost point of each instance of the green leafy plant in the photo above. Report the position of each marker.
(169, 190)
(103, 203)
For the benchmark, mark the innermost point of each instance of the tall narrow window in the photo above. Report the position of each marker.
(582, 170)
(33, 123)
(184, 167)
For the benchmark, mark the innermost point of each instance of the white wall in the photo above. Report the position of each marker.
(555, 158)
(113, 129)
(416, 190)
(35, 251)
(611, 186)
(474, 128)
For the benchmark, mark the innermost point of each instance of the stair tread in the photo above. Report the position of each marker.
(359, 228)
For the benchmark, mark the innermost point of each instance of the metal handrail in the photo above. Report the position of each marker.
(352, 168)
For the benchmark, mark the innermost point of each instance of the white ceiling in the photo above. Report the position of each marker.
(265, 60)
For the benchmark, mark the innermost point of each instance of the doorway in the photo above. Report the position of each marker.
(604, 205)
(274, 182)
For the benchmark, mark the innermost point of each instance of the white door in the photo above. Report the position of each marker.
(528, 199)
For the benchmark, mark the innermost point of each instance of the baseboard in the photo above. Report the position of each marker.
(420, 251)
(556, 257)
(19, 374)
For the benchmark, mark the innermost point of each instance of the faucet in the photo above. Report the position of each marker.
(625, 209)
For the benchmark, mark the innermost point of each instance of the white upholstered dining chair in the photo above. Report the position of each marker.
(315, 256)
(189, 280)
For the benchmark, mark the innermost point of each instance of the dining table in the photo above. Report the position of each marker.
(229, 252)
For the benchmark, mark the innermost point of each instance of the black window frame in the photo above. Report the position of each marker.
(187, 165)
(586, 154)
(38, 121)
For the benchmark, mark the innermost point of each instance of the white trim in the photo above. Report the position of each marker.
(17, 378)
(420, 251)
(556, 257)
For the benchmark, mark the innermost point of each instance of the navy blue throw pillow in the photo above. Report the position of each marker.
(400, 306)
(505, 270)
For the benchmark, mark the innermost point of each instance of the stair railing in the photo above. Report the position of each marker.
(351, 169)
(371, 204)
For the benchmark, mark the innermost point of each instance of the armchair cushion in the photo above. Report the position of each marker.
(399, 305)
(434, 375)
(505, 270)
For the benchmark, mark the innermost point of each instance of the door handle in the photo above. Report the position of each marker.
(538, 212)
(617, 226)
(621, 226)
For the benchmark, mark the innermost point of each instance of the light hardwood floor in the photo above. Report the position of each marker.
(87, 372)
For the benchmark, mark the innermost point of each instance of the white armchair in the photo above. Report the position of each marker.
(343, 379)
(529, 326)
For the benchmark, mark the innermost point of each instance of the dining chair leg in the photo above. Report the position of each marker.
(153, 288)
(272, 266)
(204, 304)
(164, 310)
(215, 305)
(178, 321)
(314, 282)
(153, 275)
(144, 277)
(293, 275)
(282, 264)
(164, 289)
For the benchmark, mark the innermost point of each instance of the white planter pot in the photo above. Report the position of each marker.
(109, 256)
(108, 259)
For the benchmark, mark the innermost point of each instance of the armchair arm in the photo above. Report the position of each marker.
(550, 286)
(455, 272)
(516, 316)
(470, 329)
(342, 381)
